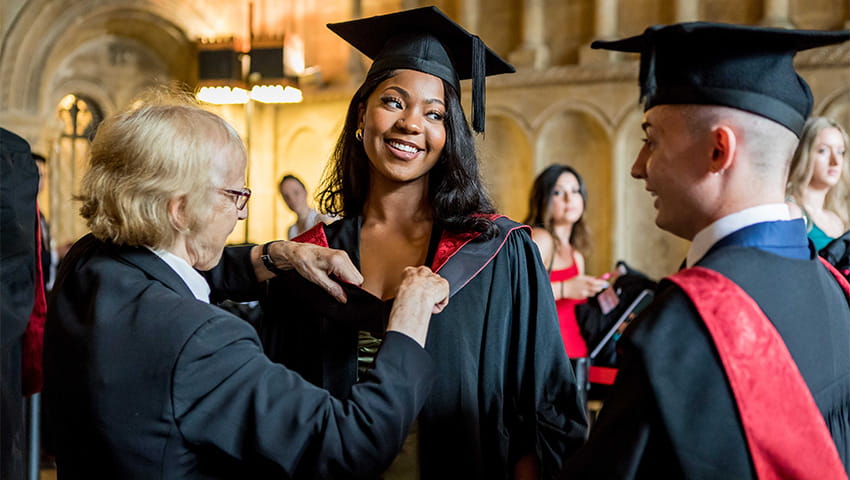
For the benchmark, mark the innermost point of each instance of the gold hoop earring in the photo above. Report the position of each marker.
(358, 134)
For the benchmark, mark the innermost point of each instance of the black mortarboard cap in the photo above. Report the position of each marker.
(744, 67)
(426, 40)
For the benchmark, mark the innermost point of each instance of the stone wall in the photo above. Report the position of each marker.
(566, 104)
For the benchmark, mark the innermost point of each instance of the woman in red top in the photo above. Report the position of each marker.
(556, 211)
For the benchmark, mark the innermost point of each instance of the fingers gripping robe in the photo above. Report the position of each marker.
(317, 264)
(420, 294)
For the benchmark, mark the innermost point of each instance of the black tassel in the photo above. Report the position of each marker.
(479, 75)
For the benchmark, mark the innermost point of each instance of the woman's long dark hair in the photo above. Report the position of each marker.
(539, 206)
(455, 189)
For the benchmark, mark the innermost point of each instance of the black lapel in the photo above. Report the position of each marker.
(153, 266)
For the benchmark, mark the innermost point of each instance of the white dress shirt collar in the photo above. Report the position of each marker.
(707, 237)
(196, 283)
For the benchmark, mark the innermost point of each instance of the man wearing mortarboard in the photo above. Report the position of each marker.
(741, 366)
(405, 179)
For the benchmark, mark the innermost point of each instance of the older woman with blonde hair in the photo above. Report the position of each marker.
(146, 379)
(819, 183)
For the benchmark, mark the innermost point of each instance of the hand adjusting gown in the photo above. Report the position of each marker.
(504, 385)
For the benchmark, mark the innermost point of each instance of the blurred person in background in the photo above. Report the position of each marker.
(819, 184)
(556, 215)
(294, 195)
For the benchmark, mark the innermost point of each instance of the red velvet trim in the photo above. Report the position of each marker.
(315, 235)
(32, 375)
(785, 431)
(602, 375)
(449, 244)
(839, 277)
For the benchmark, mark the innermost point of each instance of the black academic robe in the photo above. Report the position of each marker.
(504, 386)
(837, 252)
(671, 413)
(144, 381)
(18, 190)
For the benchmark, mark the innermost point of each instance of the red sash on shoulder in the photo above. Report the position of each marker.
(786, 434)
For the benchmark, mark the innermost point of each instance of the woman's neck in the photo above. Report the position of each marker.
(302, 213)
(814, 199)
(399, 204)
(563, 231)
(181, 248)
(396, 232)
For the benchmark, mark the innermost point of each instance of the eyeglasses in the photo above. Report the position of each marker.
(240, 197)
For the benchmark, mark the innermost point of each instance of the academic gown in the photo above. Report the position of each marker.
(144, 381)
(504, 385)
(671, 413)
(18, 190)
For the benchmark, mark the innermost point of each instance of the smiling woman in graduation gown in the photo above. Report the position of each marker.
(505, 400)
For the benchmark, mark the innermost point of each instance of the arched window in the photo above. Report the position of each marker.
(79, 117)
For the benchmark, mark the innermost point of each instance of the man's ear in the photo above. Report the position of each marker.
(723, 149)
(177, 212)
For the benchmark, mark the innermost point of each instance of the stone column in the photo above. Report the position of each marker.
(847, 23)
(470, 14)
(687, 10)
(777, 13)
(605, 19)
(533, 52)
(605, 24)
(356, 69)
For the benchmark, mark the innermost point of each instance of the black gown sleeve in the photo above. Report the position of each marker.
(547, 388)
(627, 432)
(228, 396)
(233, 278)
(671, 410)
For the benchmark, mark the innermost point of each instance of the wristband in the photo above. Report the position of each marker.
(267, 260)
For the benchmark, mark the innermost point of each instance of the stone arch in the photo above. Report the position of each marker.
(637, 240)
(105, 51)
(44, 33)
(580, 137)
(588, 109)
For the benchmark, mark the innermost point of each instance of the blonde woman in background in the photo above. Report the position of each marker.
(818, 183)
